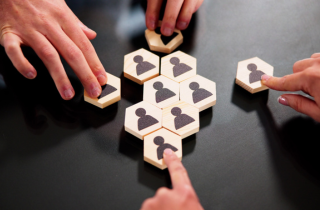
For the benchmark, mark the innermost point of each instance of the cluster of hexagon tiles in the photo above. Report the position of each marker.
(171, 102)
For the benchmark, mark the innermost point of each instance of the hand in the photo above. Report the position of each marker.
(182, 196)
(305, 77)
(177, 14)
(49, 27)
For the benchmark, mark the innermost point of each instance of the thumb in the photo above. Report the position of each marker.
(301, 104)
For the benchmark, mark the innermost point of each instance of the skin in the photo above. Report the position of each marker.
(182, 196)
(177, 14)
(306, 78)
(50, 28)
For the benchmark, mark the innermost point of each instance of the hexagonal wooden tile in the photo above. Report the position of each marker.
(161, 91)
(141, 66)
(160, 43)
(199, 92)
(155, 143)
(142, 119)
(181, 118)
(178, 66)
(249, 74)
(110, 93)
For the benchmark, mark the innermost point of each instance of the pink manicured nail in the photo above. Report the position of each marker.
(31, 75)
(168, 151)
(182, 25)
(102, 79)
(265, 77)
(283, 101)
(68, 93)
(167, 31)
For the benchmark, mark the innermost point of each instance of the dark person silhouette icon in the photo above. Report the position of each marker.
(143, 66)
(180, 120)
(106, 90)
(162, 93)
(199, 93)
(144, 121)
(255, 74)
(166, 39)
(179, 68)
(158, 140)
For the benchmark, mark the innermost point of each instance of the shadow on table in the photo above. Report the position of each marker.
(296, 139)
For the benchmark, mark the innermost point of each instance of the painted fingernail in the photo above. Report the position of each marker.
(167, 31)
(265, 77)
(95, 91)
(102, 79)
(182, 25)
(31, 75)
(68, 93)
(283, 101)
(168, 151)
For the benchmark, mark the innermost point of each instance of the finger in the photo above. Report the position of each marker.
(87, 50)
(292, 82)
(185, 15)
(148, 204)
(301, 104)
(152, 14)
(316, 55)
(50, 57)
(199, 3)
(91, 34)
(178, 174)
(171, 13)
(302, 65)
(75, 58)
(11, 43)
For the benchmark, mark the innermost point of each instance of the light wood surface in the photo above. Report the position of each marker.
(150, 148)
(130, 67)
(186, 94)
(108, 99)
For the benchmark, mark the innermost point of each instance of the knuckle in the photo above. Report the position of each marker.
(171, 18)
(162, 192)
(297, 105)
(47, 52)
(148, 204)
(73, 54)
(10, 48)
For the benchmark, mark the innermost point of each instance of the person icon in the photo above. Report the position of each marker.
(158, 140)
(255, 74)
(162, 93)
(144, 121)
(180, 120)
(199, 93)
(143, 66)
(179, 68)
(165, 39)
(106, 90)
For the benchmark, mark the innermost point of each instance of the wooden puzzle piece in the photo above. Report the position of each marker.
(155, 143)
(199, 92)
(160, 43)
(249, 74)
(181, 118)
(142, 118)
(110, 93)
(141, 66)
(161, 91)
(178, 66)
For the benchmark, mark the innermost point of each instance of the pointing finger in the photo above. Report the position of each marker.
(292, 82)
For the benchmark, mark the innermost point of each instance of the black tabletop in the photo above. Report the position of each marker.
(250, 152)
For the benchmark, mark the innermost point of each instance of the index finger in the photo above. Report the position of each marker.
(178, 173)
(292, 82)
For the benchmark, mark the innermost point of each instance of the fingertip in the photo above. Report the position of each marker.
(283, 100)
(68, 94)
(151, 24)
(31, 74)
(265, 78)
(182, 25)
(166, 30)
(102, 79)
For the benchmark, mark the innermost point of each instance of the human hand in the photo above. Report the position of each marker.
(305, 77)
(50, 28)
(177, 14)
(182, 196)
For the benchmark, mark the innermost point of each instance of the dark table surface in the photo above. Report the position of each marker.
(250, 153)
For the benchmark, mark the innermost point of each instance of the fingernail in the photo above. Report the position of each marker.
(182, 25)
(265, 78)
(102, 79)
(95, 91)
(283, 101)
(168, 151)
(68, 93)
(30, 75)
(167, 31)
(152, 24)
